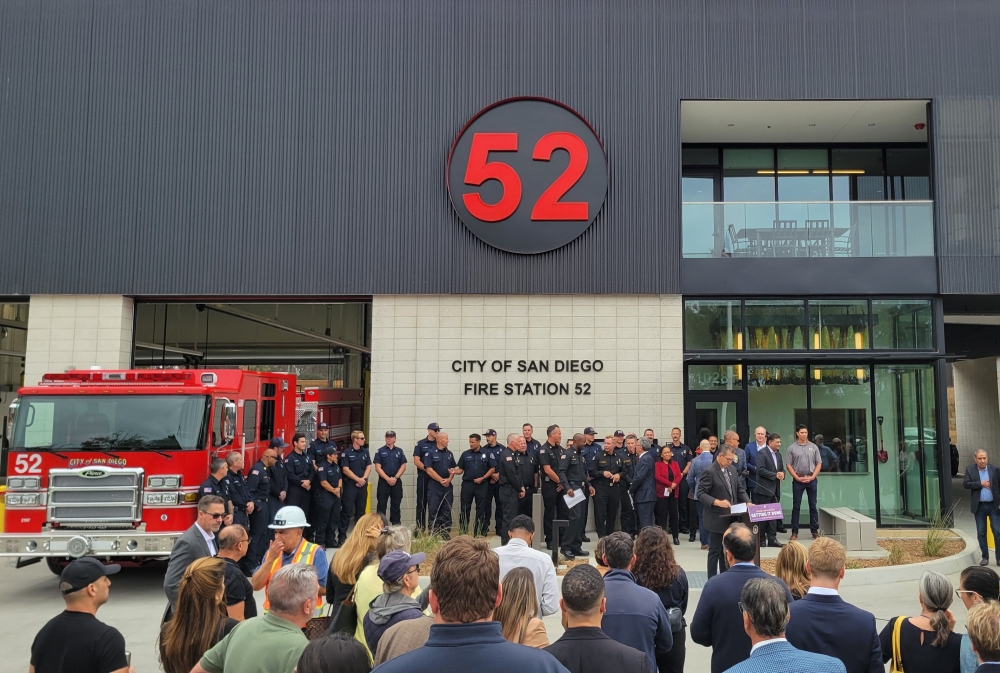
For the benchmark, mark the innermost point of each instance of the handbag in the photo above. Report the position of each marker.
(897, 653)
(346, 618)
(676, 618)
(317, 627)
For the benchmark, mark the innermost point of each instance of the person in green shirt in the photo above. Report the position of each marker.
(271, 643)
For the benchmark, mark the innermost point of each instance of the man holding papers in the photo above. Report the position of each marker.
(719, 488)
(573, 479)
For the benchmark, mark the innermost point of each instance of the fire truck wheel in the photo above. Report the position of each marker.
(56, 565)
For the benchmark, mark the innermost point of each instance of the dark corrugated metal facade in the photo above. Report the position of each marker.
(297, 147)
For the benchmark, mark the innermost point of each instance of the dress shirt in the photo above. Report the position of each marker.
(774, 457)
(517, 554)
(767, 642)
(823, 591)
(209, 540)
(985, 494)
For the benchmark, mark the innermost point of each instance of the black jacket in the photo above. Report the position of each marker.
(972, 483)
(590, 650)
(712, 487)
(767, 480)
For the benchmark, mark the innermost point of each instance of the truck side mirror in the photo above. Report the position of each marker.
(229, 421)
(11, 417)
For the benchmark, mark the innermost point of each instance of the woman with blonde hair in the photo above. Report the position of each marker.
(791, 569)
(200, 620)
(518, 609)
(356, 553)
(369, 585)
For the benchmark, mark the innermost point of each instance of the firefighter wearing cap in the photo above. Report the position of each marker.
(289, 546)
(390, 463)
(440, 496)
(476, 466)
(301, 476)
(318, 446)
(423, 447)
(590, 452)
(259, 486)
(493, 448)
(627, 453)
(550, 458)
(355, 467)
(279, 479)
(326, 500)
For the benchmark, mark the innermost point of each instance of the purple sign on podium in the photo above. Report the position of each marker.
(768, 512)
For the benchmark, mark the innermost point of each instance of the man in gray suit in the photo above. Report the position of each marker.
(197, 542)
(718, 489)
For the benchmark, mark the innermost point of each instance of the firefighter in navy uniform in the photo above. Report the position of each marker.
(627, 454)
(477, 466)
(390, 463)
(493, 448)
(318, 446)
(512, 490)
(259, 485)
(326, 499)
(440, 496)
(529, 477)
(301, 478)
(605, 474)
(590, 452)
(423, 447)
(355, 468)
(239, 494)
(532, 447)
(218, 484)
(573, 478)
(550, 456)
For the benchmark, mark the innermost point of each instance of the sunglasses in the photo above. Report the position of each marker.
(216, 516)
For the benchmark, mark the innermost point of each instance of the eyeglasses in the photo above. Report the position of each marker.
(216, 516)
(740, 606)
(959, 592)
(414, 569)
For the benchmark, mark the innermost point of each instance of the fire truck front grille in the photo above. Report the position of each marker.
(91, 513)
(95, 495)
(89, 497)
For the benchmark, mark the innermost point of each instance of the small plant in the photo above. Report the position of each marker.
(937, 534)
(853, 564)
(895, 554)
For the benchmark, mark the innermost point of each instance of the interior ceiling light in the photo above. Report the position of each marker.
(818, 171)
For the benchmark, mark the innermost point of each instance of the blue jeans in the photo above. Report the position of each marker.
(987, 509)
(702, 531)
(810, 489)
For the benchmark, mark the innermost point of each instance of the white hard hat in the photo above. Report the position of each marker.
(289, 517)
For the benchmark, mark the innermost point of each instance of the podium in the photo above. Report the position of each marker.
(756, 515)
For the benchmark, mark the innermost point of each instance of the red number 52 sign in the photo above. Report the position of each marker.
(527, 175)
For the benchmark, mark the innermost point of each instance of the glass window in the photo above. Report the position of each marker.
(748, 175)
(909, 170)
(840, 413)
(715, 377)
(250, 421)
(702, 232)
(838, 324)
(909, 481)
(803, 175)
(902, 324)
(775, 325)
(776, 397)
(858, 174)
(266, 419)
(700, 156)
(712, 325)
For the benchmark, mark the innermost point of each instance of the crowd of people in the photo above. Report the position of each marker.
(485, 607)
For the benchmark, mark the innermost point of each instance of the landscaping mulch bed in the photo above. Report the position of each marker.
(912, 552)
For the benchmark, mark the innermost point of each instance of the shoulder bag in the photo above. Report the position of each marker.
(318, 626)
(676, 619)
(897, 650)
(345, 620)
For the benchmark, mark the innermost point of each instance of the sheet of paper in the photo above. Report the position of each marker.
(666, 492)
(740, 508)
(577, 497)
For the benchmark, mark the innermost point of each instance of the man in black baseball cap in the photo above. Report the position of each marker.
(317, 448)
(76, 640)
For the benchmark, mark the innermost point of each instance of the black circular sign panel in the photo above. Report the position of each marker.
(527, 175)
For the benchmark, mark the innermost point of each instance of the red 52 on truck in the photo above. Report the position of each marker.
(108, 463)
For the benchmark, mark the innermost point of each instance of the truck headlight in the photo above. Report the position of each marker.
(23, 483)
(21, 499)
(172, 481)
(155, 482)
(15, 483)
(12, 500)
(169, 499)
(160, 498)
(29, 499)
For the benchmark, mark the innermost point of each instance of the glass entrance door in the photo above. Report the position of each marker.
(714, 414)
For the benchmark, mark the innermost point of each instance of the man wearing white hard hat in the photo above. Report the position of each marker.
(290, 547)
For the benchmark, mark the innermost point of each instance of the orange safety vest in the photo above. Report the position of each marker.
(304, 554)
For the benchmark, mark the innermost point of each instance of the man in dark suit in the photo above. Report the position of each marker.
(717, 622)
(752, 448)
(983, 480)
(196, 542)
(822, 622)
(643, 486)
(718, 489)
(584, 647)
(769, 477)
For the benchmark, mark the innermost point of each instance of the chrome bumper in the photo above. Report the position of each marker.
(87, 543)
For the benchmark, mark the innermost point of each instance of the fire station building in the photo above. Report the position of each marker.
(712, 214)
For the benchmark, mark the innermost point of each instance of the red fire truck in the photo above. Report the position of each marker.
(108, 463)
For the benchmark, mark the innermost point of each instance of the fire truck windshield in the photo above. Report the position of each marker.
(118, 422)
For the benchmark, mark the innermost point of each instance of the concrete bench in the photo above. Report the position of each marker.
(855, 531)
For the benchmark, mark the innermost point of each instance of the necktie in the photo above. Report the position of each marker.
(729, 486)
